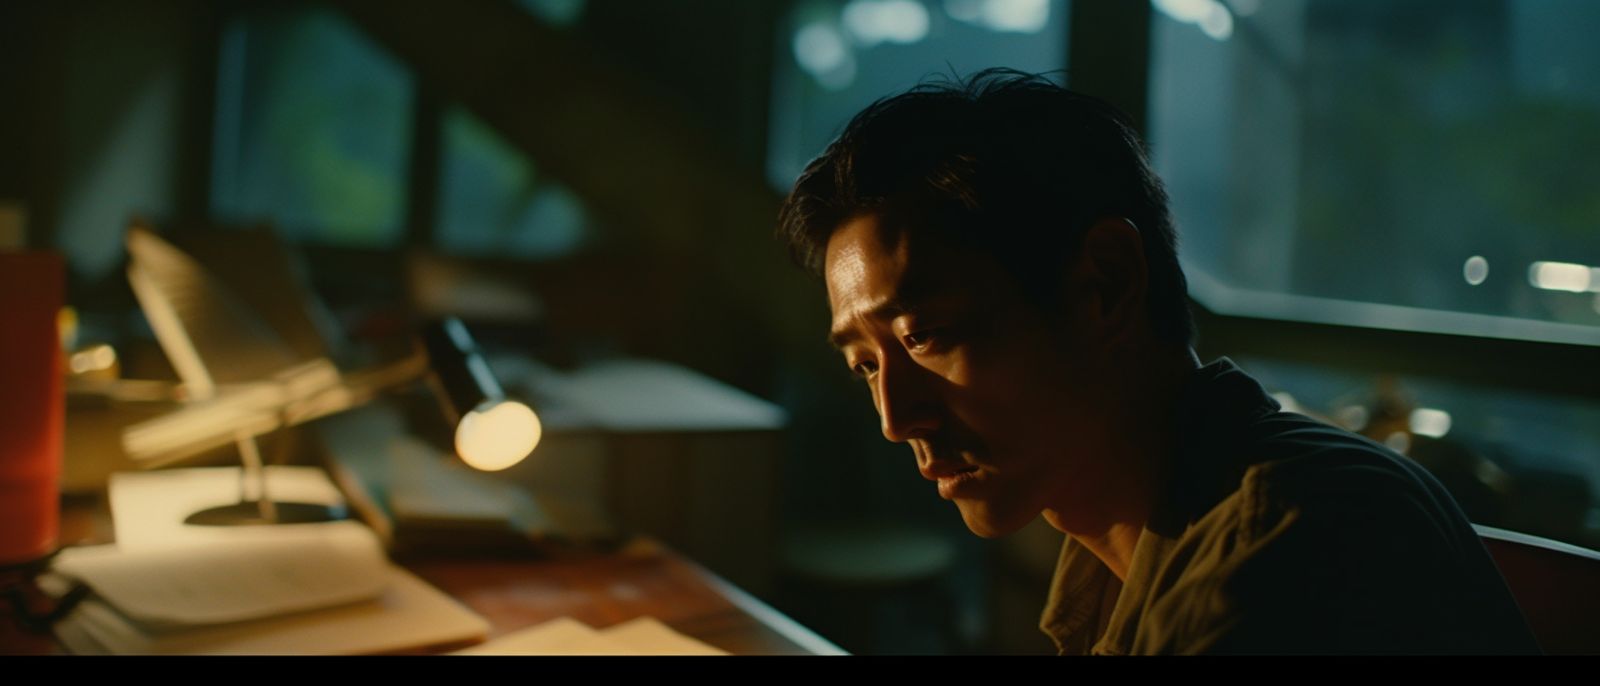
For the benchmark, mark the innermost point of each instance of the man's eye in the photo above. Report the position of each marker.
(863, 369)
(923, 339)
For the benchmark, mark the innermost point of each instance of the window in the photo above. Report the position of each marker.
(493, 201)
(313, 129)
(837, 57)
(1422, 165)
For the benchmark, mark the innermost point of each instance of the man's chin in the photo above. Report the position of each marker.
(987, 523)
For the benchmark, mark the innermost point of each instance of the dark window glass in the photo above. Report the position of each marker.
(1420, 165)
(313, 129)
(494, 202)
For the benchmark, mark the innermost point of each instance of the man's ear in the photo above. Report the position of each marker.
(1111, 278)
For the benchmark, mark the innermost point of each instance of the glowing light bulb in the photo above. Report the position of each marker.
(497, 436)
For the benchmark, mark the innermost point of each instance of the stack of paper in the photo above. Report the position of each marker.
(567, 636)
(172, 588)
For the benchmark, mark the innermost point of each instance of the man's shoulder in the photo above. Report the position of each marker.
(1241, 448)
(1297, 461)
(1340, 483)
(1313, 504)
(1331, 543)
(1304, 537)
(1340, 527)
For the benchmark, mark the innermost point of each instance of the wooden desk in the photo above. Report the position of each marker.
(597, 588)
(642, 578)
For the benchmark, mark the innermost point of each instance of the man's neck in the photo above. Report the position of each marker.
(1108, 516)
(1114, 547)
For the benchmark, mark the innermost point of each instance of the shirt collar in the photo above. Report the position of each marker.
(1215, 406)
(1214, 412)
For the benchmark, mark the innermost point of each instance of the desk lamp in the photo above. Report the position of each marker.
(244, 383)
(491, 432)
(244, 380)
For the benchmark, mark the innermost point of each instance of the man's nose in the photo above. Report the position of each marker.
(908, 401)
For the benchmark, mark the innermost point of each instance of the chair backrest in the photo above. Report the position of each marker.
(1557, 585)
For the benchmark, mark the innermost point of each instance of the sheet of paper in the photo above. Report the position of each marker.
(568, 636)
(648, 636)
(232, 580)
(564, 636)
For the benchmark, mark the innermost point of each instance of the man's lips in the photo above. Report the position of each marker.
(957, 480)
(935, 472)
(944, 465)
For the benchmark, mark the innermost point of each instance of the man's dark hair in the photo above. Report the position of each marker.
(1007, 161)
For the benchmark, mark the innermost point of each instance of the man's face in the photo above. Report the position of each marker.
(995, 396)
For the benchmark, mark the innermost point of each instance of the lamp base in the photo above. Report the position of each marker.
(249, 514)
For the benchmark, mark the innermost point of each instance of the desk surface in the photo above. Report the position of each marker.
(642, 578)
(599, 589)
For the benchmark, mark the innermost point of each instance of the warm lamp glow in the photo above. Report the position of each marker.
(497, 436)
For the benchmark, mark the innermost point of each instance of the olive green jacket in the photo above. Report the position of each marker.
(1279, 534)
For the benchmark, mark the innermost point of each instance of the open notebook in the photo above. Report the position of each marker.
(171, 588)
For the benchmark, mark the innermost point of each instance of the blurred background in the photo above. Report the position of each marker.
(1388, 212)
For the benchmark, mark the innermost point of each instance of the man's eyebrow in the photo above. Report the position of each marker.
(887, 309)
(915, 292)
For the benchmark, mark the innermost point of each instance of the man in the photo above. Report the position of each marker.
(1003, 276)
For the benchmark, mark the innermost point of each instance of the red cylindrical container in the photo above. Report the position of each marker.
(32, 407)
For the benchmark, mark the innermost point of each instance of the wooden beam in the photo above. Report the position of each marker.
(614, 139)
